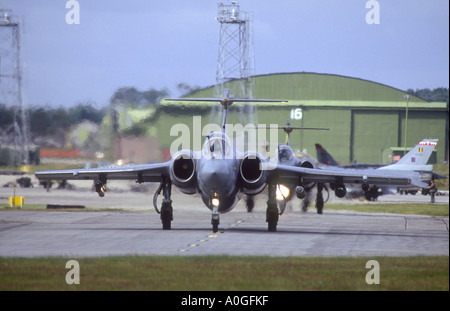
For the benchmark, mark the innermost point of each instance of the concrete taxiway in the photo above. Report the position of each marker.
(81, 234)
(135, 228)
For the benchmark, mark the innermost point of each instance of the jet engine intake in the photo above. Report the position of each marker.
(252, 177)
(306, 163)
(182, 172)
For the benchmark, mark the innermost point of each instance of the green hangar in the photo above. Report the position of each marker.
(367, 120)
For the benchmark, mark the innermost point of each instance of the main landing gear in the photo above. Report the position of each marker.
(272, 212)
(166, 212)
(319, 198)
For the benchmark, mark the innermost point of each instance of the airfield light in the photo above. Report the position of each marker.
(282, 192)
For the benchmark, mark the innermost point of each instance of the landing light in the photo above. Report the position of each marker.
(282, 192)
(215, 202)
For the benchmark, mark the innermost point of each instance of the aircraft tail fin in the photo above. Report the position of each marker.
(324, 157)
(416, 158)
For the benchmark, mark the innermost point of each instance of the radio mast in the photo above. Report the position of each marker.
(11, 93)
(235, 58)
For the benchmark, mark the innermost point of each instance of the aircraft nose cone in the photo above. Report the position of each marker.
(215, 174)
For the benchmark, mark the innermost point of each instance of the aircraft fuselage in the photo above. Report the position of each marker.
(218, 178)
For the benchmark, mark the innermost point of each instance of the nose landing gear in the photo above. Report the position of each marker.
(215, 219)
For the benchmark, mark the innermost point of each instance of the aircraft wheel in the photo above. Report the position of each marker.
(250, 204)
(166, 215)
(272, 221)
(319, 199)
(272, 226)
(272, 209)
(320, 209)
(215, 225)
(166, 220)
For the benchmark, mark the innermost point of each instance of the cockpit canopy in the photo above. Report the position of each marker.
(285, 153)
(217, 146)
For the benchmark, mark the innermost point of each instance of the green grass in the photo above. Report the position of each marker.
(442, 169)
(234, 273)
(401, 208)
(225, 273)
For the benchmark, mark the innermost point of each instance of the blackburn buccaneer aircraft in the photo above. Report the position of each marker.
(413, 163)
(222, 175)
(286, 156)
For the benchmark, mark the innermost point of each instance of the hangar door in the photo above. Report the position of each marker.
(372, 131)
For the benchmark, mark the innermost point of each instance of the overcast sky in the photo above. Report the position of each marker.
(147, 43)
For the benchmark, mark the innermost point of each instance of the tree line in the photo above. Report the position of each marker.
(48, 121)
(134, 98)
(56, 121)
(439, 94)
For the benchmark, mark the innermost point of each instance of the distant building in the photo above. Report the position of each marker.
(366, 119)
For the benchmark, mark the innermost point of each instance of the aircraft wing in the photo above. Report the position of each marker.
(231, 100)
(140, 173)
(294, 174)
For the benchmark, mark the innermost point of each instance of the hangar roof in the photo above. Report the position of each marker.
(319, 87)
(344, 104)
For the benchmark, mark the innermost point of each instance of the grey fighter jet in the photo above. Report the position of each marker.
(414, 162)
(286, 156)
(222, 175)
